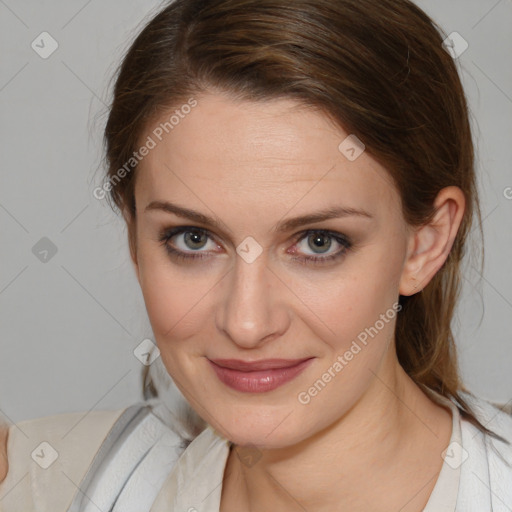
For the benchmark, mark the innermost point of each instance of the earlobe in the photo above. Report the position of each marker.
(430, 244)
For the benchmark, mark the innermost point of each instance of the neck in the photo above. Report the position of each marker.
(393, 433)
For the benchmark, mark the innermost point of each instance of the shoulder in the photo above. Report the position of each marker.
(498, 419)
(486, 471)
(135, 459)
(4, 465)
(50, 452)
(196, 475)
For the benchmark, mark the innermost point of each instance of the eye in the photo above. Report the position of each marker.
(193, 241)
(322, 241)
(189, 246)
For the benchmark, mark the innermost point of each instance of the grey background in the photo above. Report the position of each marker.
(69, 325)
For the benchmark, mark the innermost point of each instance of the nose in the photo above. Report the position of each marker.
(253, 311)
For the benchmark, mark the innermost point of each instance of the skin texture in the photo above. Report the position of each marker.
(252, 166)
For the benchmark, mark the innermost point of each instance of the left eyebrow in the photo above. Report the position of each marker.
(281, 227)
(333, 212)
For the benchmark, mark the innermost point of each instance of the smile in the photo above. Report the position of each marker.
(258, 376)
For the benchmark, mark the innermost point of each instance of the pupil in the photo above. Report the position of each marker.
(194, 238)
(320, 239)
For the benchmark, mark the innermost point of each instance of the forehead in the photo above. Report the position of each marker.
(262, 154)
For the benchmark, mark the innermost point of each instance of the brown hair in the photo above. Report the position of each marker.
(376, 68)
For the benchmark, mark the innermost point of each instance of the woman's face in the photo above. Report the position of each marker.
(259, 284)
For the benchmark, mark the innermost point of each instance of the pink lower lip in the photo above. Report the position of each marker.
(258, 381)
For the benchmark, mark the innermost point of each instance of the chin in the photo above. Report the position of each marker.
(263, 427)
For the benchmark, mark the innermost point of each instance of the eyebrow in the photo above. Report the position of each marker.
(282, 227)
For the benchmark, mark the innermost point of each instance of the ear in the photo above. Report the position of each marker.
(430, 244)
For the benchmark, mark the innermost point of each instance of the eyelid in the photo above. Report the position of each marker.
(297, 237)
(343, 240)
(167, 234)
(329, 232)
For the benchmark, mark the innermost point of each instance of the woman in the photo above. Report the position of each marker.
(298, 184)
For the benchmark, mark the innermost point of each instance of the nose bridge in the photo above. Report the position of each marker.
(251, 312)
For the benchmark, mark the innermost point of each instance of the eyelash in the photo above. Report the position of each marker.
(166, 235)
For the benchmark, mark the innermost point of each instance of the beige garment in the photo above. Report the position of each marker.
(48, 458)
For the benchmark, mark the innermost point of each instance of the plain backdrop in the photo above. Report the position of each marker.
(71, 310)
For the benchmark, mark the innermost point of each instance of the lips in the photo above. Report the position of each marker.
(250, 366)
(257, 376)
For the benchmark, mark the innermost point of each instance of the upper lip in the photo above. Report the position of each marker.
(264, 364)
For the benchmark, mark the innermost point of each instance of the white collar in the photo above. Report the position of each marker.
(444, 495)
(195, 484)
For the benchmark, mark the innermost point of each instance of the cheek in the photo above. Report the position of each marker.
(176, 305)
(352, 300)
(357, 324)
(176, 297)
(360, 314)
